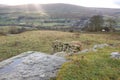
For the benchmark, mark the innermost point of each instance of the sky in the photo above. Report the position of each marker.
(85, 3)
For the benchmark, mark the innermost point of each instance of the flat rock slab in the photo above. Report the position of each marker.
(30, 66)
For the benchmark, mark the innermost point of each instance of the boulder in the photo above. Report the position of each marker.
(31, 66)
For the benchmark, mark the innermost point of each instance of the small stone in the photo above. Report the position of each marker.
(115, 55)
(100, 46)
(84, 51)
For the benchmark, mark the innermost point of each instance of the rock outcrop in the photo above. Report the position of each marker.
(33, 66)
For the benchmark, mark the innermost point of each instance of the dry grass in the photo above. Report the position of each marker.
(90, 66)
(12, 45)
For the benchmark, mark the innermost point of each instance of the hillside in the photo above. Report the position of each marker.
(30, 28)
(85, 66)
(59, 10)
(15, 44)
(65, 17)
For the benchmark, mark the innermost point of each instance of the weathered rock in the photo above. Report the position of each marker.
(100, 46)
(115, 55)
(33, 66)
(61, 54)
(84, 51)
(94, 49)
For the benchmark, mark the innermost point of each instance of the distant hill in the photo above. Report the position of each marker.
(59, 10)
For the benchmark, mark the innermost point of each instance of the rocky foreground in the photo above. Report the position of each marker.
(31, 66)
(38, 66)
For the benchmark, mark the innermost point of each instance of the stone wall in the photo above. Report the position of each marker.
(68, 47)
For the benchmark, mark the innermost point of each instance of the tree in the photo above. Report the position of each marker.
(95, 23)
(110, 23)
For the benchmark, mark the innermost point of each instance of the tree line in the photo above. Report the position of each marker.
(97, 23)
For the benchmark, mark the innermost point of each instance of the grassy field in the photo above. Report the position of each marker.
(90, 66)
(94, 65)
(12, 45)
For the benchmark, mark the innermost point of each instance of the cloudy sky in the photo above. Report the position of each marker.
(86, 3)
